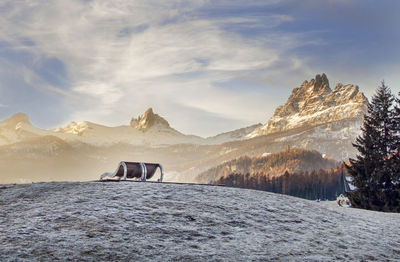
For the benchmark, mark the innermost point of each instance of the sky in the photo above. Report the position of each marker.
(206, 66)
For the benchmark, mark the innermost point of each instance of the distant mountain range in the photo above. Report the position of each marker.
(149, 129)
(315, 117)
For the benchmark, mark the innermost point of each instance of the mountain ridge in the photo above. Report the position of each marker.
(314, 103)
(97, 148)
(147, 129)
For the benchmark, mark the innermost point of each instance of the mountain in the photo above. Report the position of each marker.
(148, 129)
(28, 153)
(18, 128)
(149, 120)
(318, 118)
(314, 118)
(235, 135)
(14, 120)
(37, 148)
(315, 103)
(294, 160)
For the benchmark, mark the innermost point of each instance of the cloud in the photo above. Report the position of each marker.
(123, 56)
(109, 60)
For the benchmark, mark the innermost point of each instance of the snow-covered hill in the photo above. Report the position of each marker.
(169, 222)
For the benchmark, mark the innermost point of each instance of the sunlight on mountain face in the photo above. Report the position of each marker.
(314, 117)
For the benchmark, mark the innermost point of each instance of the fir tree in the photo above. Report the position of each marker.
(395, 158)
(396, 125)
(372, 170)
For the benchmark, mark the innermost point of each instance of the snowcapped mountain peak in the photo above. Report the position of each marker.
(315, 103)
(14, 120)
(76, 128)
(148, 120)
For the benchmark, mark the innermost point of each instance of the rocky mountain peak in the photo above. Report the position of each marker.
(76, 128)
(305, 97)
(16, 119)
(315, 103)
(148, 120)
(321, 81)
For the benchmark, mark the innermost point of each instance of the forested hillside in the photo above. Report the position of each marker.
(294, 160)
(321, 184)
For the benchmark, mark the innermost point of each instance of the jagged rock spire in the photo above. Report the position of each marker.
(314, 103)
(148, 120)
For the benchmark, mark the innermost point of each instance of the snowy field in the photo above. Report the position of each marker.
(164, 222)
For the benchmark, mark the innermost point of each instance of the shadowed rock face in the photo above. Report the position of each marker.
(148, 120)
(315, 103)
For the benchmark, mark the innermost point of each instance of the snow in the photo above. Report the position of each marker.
(162, 222)
(235, 135)
(227, 151)
(100, 135)
(349, 180)
(308, 107)
(339, 112)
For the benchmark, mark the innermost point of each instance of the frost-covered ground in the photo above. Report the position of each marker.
(162, 222)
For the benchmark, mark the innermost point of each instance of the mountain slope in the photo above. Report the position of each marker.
(275, 164)
(17, 128)
(235, 135)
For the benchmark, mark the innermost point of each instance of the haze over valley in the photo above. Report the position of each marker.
(315, 117)
(87, 84)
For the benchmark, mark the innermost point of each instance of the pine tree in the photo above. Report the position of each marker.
(396, 125)
(395, 158)
(372, 170)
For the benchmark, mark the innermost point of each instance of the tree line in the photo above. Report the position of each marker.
(322, 184)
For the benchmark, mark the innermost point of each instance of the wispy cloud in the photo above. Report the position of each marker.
(126, 54)
(109, 60)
